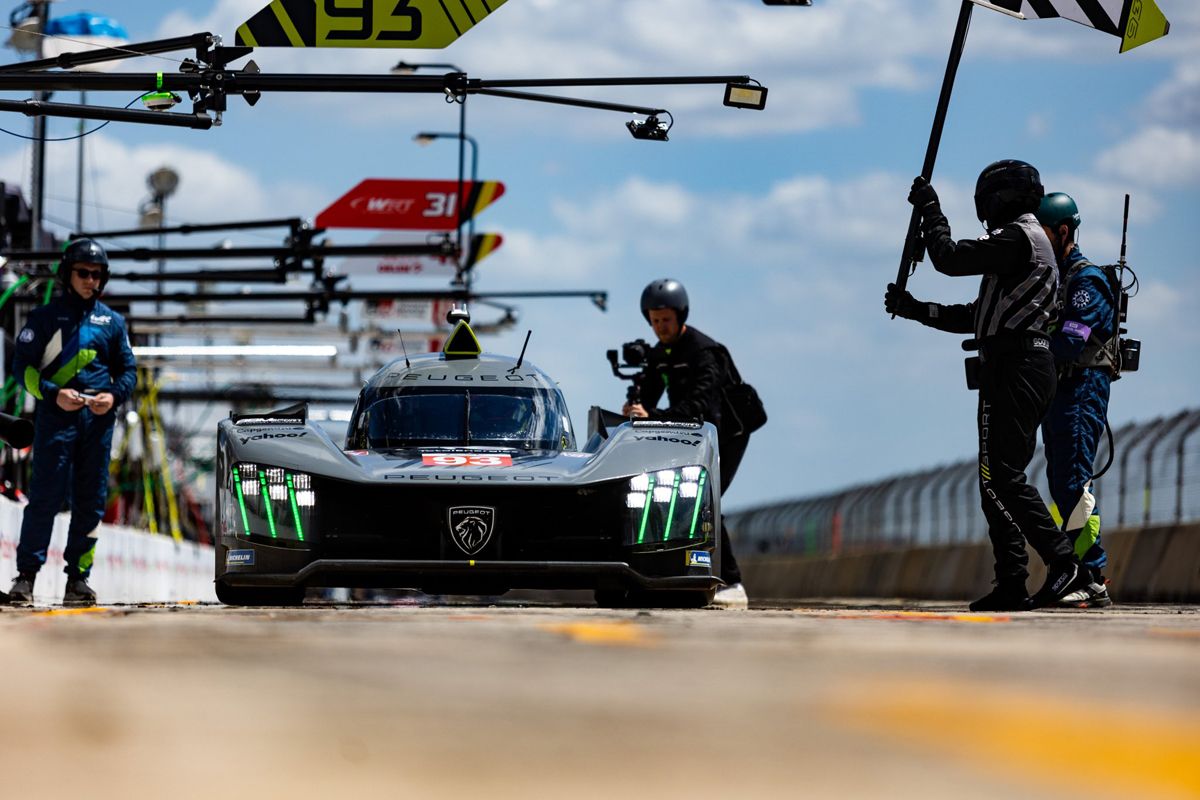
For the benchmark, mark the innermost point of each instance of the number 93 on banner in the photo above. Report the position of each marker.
(426, 24)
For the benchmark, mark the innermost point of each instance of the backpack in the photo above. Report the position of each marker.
(742, 411)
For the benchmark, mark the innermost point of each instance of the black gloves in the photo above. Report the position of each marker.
(922, 196)
(902, 304)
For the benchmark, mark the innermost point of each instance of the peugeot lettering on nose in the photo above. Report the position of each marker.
(471, 527)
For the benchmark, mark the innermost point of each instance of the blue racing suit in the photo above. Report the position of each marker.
(1072, 429)
(70, 343)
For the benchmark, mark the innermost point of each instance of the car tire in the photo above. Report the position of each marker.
(259, 595)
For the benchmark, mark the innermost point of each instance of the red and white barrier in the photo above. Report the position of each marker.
(132, 566)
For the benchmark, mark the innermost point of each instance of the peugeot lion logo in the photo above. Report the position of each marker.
(471, 527)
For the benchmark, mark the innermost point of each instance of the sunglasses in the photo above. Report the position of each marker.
(94, 274)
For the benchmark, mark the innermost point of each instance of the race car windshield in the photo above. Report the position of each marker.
(414, 417)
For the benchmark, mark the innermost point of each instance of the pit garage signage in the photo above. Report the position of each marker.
(408, 205)
(483, 245)
(431, 313)
(424, 24)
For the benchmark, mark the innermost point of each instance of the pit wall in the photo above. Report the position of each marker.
(132, 566)
(1160, 564)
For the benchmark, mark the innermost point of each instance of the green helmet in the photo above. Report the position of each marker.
(1057, 209)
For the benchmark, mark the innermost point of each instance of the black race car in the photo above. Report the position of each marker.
(460, 474)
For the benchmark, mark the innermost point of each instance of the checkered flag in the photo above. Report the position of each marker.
(1135, 21)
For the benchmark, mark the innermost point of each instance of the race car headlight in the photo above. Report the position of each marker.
(668, 507)
(272, 502)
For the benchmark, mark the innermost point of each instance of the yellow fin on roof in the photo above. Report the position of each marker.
(462, 342)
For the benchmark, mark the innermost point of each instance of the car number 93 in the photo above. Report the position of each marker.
(465, 460)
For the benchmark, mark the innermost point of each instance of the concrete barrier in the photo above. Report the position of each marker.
(132, 566)
(1160, 564)
(1179, 568)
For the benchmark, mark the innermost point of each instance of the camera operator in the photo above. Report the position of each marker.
(692, 369)
(1010, 319)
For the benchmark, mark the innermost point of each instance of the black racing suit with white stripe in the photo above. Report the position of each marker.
(1011, 320)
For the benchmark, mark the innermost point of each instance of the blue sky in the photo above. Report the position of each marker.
(785, 225)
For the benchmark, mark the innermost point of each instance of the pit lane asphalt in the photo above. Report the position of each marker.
(839, 700)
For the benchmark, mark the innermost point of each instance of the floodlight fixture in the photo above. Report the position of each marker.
(651, 129)
(746, 95)
(163, 181)
(787, 2)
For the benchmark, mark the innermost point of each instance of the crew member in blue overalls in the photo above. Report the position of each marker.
(73, 356)
(1084, 351)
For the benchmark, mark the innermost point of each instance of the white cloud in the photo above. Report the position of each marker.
(1177, 102)
(558, 259)
(210, 187)
(1101, 204)
(1155, 156)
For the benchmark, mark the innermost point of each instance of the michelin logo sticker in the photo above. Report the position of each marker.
(699, 558)
(243, 558)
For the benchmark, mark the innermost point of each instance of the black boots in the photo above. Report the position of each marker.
(1010, 595)
(1007, 596)
(78, 593)
(1060, 574)
(21, 593)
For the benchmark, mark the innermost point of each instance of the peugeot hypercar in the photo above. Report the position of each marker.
(460, 474)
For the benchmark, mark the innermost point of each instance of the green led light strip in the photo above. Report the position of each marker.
(237, 482)
(266, 495)
(699, 502)
(646, 510)
(295, 507)
(671, 510)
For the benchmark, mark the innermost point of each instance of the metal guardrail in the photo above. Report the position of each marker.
(1154, 480)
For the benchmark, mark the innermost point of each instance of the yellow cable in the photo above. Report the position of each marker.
(147, 488)
(168, 486)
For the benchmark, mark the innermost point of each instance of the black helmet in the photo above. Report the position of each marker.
(1006, 190)
(83, 251)
(665, 293)
(1058, 208)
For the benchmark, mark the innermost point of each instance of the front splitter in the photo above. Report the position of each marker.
(514, 574)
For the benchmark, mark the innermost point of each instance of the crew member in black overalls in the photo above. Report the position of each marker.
(691, 368)
(1011, 322)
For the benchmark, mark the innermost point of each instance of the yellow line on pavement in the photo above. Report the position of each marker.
(923, 616)
(1175, 633)
(626, 634)
(1133, 752)
(71, 612)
